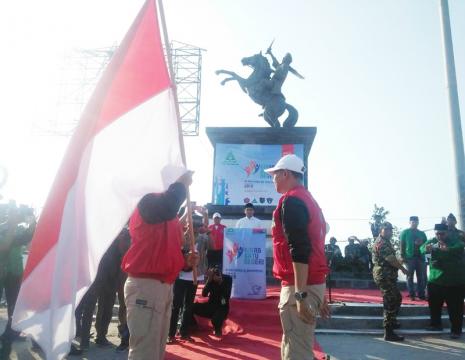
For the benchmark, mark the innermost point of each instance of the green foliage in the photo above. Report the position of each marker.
(379, 216)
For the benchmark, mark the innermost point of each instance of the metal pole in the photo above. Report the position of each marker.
(454, 110)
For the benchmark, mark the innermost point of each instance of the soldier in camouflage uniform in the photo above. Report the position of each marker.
(385, 268)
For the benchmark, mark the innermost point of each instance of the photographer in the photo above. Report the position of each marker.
(218, 289)
(446, 280)
(15, 233)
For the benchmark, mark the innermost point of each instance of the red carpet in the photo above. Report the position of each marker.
(367, 296)
(252, 331)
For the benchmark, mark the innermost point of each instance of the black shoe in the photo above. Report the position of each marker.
(422, 297)
(123, 346)
(218, 333)
(396, 325)
(187, 338)
(171, 340)
(390, 335)
(455, 335)
(434, 328)
(103, 341)
(412, 297)
(74, 350)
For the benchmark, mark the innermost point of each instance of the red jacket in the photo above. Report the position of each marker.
(155, 250)
(316, 230)
(217, 236)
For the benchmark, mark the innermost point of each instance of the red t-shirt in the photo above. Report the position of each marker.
(217, 236)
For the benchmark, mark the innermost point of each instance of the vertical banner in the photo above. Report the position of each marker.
(244, 259)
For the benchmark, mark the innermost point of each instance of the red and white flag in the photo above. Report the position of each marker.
(126, 145)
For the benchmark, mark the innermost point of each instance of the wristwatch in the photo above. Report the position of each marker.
(300, 296)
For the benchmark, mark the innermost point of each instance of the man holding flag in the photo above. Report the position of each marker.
(153, 263)
(127, 144)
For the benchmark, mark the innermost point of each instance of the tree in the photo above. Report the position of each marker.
(378, 217)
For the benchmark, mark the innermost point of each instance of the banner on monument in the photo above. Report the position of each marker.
(238, 173)
(244, 259)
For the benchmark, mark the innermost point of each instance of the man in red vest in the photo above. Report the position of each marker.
(298, 231)
(153, 263)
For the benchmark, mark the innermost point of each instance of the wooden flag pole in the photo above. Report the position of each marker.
(181, 139)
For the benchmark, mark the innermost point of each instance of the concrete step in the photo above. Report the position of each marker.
(368, 309)
(380, 332)
(376, 322)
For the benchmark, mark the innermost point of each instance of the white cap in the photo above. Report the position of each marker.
(217, 214)
(288, 162)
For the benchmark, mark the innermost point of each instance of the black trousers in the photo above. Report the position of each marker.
(106, 301)
(84, 313)
(217, 313)
(215, 258)
(183, 300)
(11, 284)
(453, 296)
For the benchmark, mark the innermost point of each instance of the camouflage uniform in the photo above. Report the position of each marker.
(385, 277)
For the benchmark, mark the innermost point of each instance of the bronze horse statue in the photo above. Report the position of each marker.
(264, 88)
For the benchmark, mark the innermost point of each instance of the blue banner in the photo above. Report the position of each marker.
(238, 173)
(244, 259)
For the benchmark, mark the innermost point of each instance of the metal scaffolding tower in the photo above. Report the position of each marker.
(83, 67)
(187, 64)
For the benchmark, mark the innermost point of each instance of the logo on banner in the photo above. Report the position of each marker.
(252, 168)
(235, 252)
(230, 159)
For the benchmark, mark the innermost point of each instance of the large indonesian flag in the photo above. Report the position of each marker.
(127, 144)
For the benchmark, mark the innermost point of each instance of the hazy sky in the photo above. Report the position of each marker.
(374, 88)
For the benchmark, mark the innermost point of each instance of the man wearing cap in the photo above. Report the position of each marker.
(410, 241)
(453, 231)
(446, 279)
(385, 269)
(298, 231)
(249, 221)
(215, 250)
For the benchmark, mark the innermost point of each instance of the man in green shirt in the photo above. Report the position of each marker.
(446, 279)
(410, 241)
(453, 231)
(12, 239)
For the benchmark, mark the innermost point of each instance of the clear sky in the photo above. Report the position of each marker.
(374, 88)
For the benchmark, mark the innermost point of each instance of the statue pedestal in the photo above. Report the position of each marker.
(241, 155)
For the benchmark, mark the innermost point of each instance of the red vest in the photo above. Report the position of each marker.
(217, 236)
(155, 250)
(316, 229)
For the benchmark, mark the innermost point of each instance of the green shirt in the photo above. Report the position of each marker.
(11, 261)
(410, 242)
(447, 268)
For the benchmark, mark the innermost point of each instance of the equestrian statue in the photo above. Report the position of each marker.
(264, 86)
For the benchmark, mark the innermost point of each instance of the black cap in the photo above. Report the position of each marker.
(249, 206)
(451, 217)
(413, 218)
(440, 227)
(386, 225)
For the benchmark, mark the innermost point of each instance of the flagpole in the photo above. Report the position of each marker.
(181, 138)
(454, 109)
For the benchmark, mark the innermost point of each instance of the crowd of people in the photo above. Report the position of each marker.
(445, 256)
(357, 256)
(155, 265)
